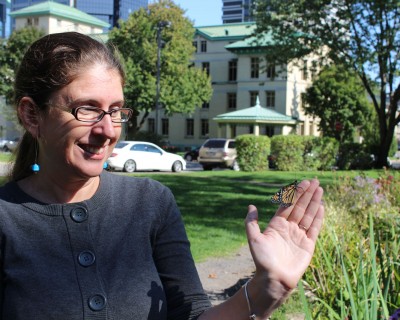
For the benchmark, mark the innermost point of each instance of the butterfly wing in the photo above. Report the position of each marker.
(285, 195)
(277, 197)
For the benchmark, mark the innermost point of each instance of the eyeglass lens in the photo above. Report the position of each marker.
(90, 114)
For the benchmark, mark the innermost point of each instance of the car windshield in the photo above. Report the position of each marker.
(214, 144)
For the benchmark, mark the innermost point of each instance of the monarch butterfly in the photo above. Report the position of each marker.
(285, 195)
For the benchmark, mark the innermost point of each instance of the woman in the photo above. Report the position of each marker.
(80, 243)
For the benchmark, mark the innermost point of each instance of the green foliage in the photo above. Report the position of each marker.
(253, 152)
(11, 53)
(362, 35)
(291, 152)
(354, 272)
(338, 99)
(182, 86)
(288, 151)
(354, 155)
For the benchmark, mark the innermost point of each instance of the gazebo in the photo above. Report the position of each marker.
(256, 116)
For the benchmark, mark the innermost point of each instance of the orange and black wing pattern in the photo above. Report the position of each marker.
(285, 196)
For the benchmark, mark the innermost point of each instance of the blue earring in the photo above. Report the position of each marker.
(35, 167)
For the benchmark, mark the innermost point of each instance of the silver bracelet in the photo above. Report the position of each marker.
(252, 316)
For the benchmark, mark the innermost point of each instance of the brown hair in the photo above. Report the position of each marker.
(50, 64)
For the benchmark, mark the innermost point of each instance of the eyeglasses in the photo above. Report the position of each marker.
(93, 114)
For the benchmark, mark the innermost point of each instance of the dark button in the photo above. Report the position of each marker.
(86, 258)
(79, 214)
(97, 302)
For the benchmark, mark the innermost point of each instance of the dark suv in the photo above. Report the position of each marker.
(218, 153)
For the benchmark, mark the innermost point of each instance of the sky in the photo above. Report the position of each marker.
(202, 12)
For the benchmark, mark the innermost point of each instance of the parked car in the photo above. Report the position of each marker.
(10, 145)
(218, 153)
(3, 144)
(130, 156)
(192, 155)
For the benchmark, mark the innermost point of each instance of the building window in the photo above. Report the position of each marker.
(189, 127)
(151, 125)
(204, 128)
(304, 71)
(195, 45)
(232, 70)
(206, 67)
(165, 126)
(314, 70)
(231, 96)
(253, 98)
(270, 96)
(205, 105)
(271, 72)
(203, 47)
(255, 68)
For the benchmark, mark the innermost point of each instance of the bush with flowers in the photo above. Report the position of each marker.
(355, 272)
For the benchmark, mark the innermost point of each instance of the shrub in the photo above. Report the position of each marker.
(292, 152)
(354, 272)
(354, 156)
(326, 150)
(253, 152)
(288, 152)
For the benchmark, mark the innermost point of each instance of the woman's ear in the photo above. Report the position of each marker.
(28, 114)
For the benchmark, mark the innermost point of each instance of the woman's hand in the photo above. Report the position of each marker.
(283, 251)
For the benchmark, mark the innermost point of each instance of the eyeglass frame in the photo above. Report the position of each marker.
(74, 112)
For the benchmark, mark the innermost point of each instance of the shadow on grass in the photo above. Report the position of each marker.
(214, 208)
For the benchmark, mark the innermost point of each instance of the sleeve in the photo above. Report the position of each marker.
(186, 298)
(1, 278)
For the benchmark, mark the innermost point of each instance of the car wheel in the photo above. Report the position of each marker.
(188, 157)
(235, 166)
(130, 166)
(177, 166)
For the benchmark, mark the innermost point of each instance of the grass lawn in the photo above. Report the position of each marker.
(214, 203)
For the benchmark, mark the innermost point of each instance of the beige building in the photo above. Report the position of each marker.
(53, 17)
(240, 78)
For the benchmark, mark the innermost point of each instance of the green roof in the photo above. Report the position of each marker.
(59, 10)
(256, 114)
(260, 41)
(227, 32)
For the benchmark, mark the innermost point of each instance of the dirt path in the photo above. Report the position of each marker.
(222, 277)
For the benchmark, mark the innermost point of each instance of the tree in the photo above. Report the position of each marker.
(363, 35)
(12, 51)
(338, 99)
(182, 86)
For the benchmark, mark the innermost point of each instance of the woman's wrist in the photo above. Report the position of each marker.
(264, 296)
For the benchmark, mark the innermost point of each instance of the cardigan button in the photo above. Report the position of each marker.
(97, 302)
(79, 214)
(86, 258)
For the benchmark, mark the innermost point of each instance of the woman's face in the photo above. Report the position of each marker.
(78, 149)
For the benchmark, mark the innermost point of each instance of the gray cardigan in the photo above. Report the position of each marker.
(123, 254)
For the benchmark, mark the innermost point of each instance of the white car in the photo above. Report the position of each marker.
(130, 156)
